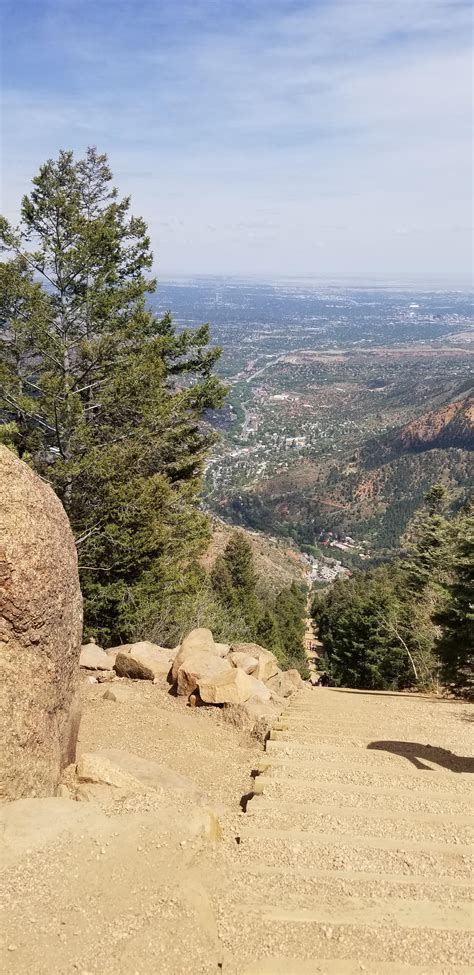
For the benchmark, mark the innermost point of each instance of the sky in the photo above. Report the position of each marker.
(268, 138)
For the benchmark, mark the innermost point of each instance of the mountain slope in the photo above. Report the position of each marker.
(373, 492)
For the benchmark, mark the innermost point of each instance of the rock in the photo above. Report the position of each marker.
(112, 652)
(260, 690)
(255, 717)
(243, 660)
(267, 662)
(198, 666)
(40, 634)
(144, 646)
(222, 649)
(151, 774)
(112, 774)
(204, 823)
(118, 694)
(93, 657)
(232, 687)
(143, 662)
(200, 639)
(282, 684)
(127, 666)
(95, 768)
(295, 677)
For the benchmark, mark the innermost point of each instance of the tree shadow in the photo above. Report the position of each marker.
(414, 752)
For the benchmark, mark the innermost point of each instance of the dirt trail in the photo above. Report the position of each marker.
(356, 853)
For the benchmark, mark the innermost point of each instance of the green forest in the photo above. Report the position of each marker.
(409, 623)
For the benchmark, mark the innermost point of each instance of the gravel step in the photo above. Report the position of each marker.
(405, 913)
(340, 966)
(386, 855)
(456, 809)
(377, 758)
(273, 882)
(305, 936)
(312, 776)
(416, 826)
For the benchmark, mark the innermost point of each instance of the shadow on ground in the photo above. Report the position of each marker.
(414, 752)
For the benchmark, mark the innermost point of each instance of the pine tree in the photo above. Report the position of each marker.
(101, 397)
(267, 632)
(238, 559)
(456, 645)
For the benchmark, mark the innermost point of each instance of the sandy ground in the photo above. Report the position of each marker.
(355, 857)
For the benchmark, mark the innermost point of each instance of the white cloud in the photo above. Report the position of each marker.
(348, 121)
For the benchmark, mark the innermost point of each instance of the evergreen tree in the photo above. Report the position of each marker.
(238, 559)
(456, 644)
(267, 632)
(101, 397)
(290, 612)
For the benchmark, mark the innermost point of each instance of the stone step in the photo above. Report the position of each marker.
(388, 855)
(271, 882)
(311, 936)
(354, 798)
(358, 773)
(382, 759)
(337, 820)
(339, 966)
(273, 776)
(401, 913)
(309, 735)
(355, 839)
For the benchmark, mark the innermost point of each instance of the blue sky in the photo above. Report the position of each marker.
(263, 137)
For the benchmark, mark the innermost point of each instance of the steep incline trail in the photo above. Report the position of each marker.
(355, 853)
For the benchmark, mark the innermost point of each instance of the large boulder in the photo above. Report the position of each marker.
(282, 684)
(267, 662)
(112, 774)
(260, 690)
(40, 634)
(232, 687)
(144, 661)
(255, 717)
(244, 661)
(222, 649)
(93, 657)
(199, 666)
(200, 640)
(295, 677)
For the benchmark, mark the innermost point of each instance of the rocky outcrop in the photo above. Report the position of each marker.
(40, 633)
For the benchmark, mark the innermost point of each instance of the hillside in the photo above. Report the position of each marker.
(277, 563)
(372, 492)
(450, 426)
